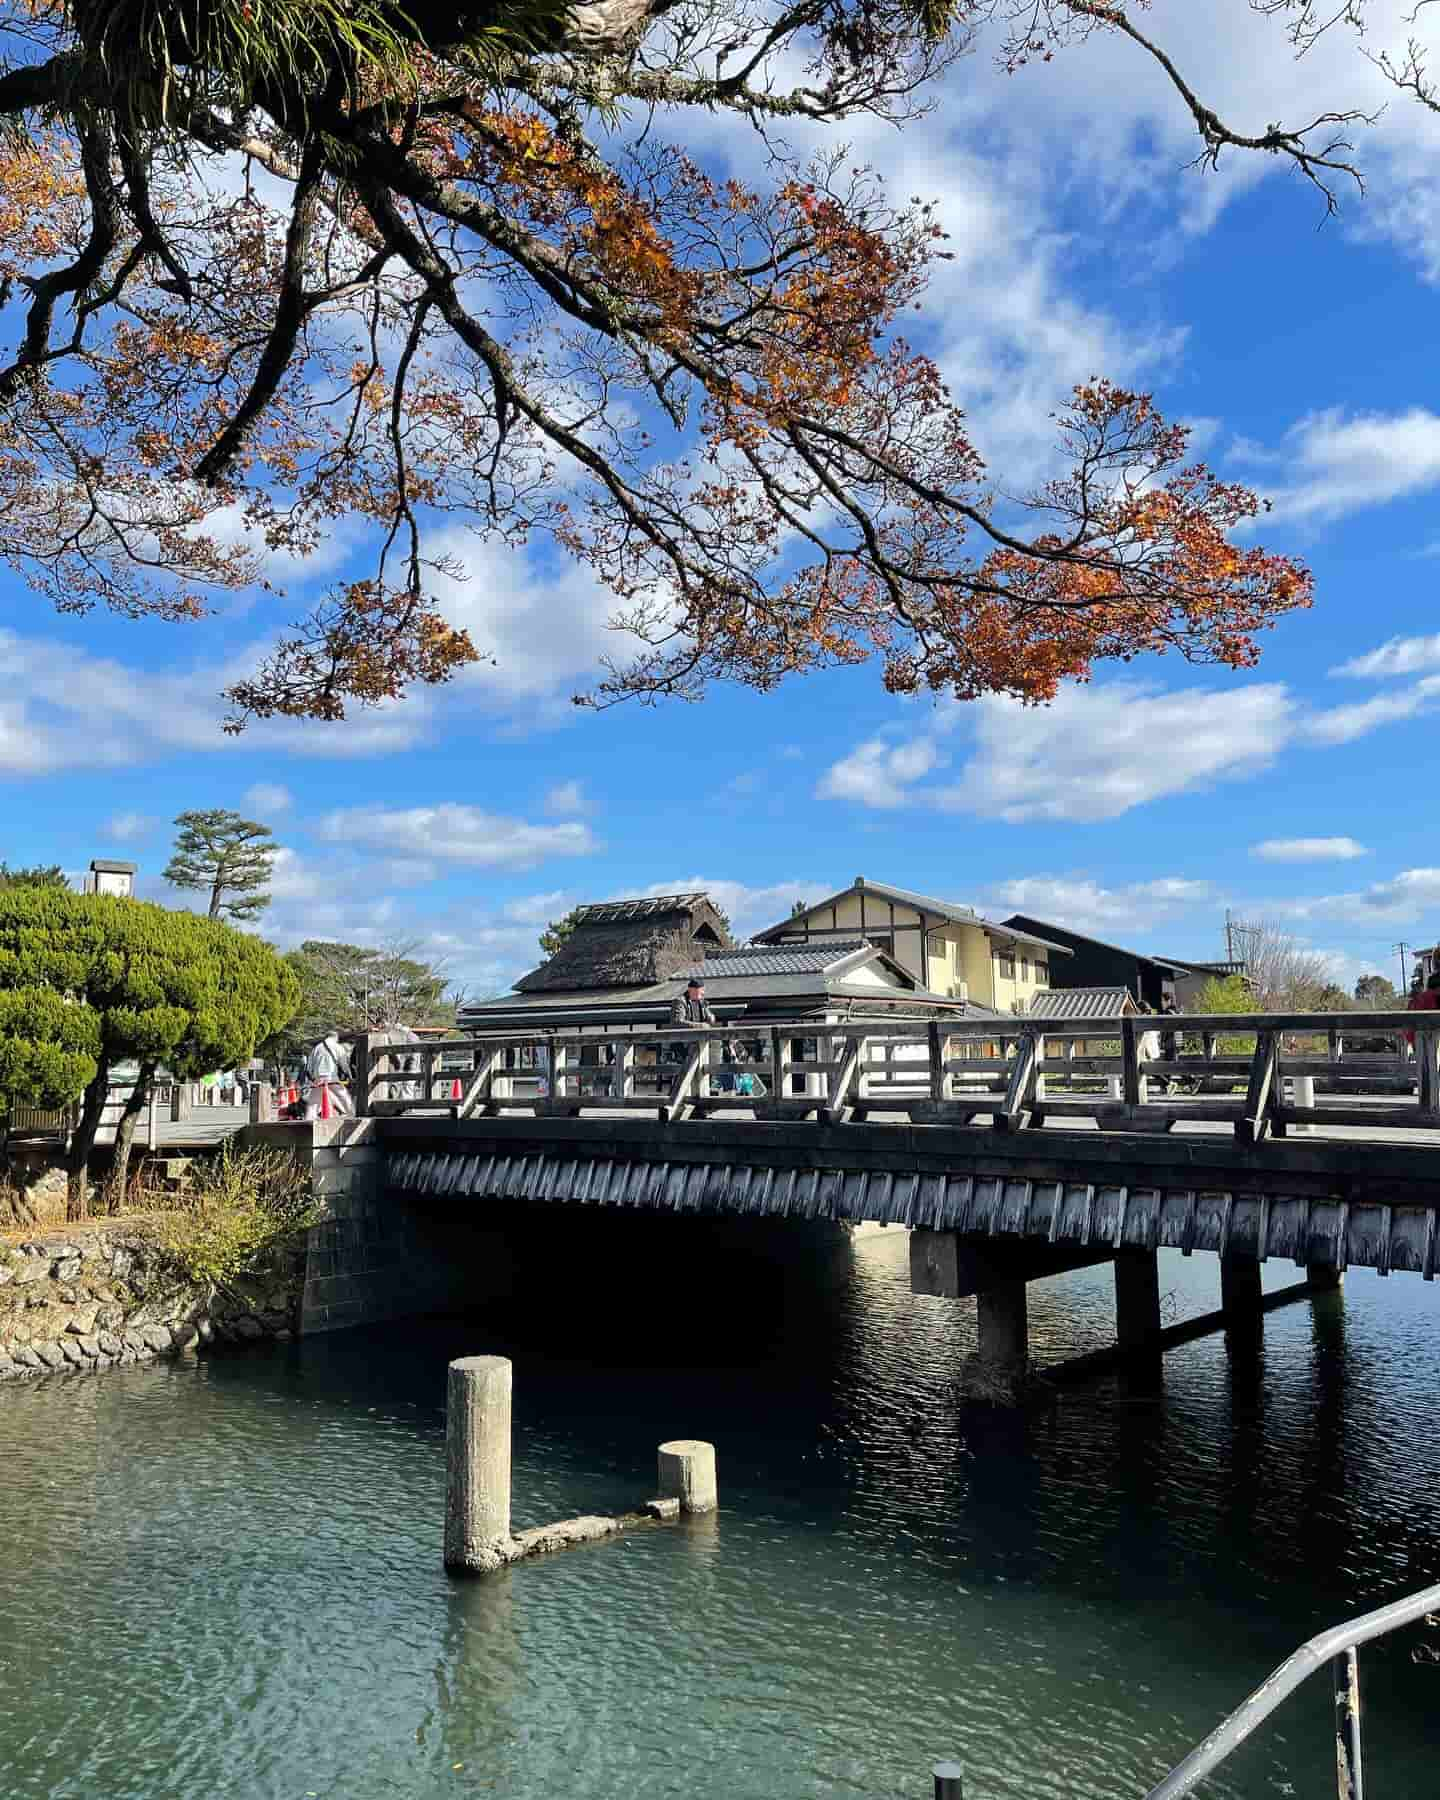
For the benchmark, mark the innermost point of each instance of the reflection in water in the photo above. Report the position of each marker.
(225, 1577)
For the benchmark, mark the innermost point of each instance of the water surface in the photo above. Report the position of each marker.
(224, 1577)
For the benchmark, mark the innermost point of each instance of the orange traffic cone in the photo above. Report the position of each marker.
(324, 1099)
(456, 1091)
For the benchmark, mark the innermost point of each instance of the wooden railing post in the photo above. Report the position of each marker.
(478, 1095)
(683, 1090)
(360, 1075)
(1257, 1118)
(559, 1070)
(1020, 1093)
(1130, 1061)
(777, 1066)
(839, 1108)
(937, 1062)
(625, 1072)
(1425, 1046)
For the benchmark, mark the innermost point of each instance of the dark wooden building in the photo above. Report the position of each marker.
(1092, 963)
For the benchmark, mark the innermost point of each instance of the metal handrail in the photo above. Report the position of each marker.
(1336, 1646)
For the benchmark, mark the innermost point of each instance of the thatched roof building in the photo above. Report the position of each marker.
(630, 944)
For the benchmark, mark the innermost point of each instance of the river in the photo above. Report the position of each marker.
(223, 1577)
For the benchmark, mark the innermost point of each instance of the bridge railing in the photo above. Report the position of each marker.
(1015, 1072)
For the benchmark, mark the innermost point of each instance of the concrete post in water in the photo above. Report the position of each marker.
(477, 1456)
(949, 1782)
(687, 1474)
(1324, 1275)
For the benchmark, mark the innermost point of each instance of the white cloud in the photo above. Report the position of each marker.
(1085, 904)
(1315, 849)
(1099, 751)
(456, 834)
(1336, 464)
(566, 797)
(543, 633)
(126, 827)
(1398, 656)
(879, 774)
(538, 909)
(267, 797)
(65, 709)
(1343, 724)
(1093, 754)
(1412, 896)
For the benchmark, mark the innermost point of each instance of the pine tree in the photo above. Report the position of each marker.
(555, 934)
(220, 852)
(86, 985)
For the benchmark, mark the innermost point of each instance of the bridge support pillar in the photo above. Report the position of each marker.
(1240, 1289)
(1137, 1299)
(1324, 1275)
(998, 1369)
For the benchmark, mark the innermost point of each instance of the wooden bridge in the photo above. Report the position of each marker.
(1011, 1151)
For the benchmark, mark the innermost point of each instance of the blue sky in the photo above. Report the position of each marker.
(1140, 806)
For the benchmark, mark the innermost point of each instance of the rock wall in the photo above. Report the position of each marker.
(102, 1295)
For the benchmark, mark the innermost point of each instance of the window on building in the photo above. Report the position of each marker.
(1042, 974)
(1007, 966)
(1024, 968)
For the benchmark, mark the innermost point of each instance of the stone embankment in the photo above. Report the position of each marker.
(105, 1295)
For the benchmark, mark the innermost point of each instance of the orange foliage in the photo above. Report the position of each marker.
(455, 301)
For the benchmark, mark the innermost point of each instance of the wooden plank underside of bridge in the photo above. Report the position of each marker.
(1370, 1205)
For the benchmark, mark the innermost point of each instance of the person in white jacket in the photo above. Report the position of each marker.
(328, 1065)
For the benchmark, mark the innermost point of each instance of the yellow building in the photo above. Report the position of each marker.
(949, 948)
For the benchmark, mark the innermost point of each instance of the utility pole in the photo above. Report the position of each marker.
(1402, 947)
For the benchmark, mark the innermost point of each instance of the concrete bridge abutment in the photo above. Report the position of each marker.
(372, 1258)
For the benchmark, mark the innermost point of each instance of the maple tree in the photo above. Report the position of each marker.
(297, 262)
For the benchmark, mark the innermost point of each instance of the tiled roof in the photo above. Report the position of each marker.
(783, 959)
(1080, 1003)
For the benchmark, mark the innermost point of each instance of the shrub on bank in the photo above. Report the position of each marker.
(242, 1215)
